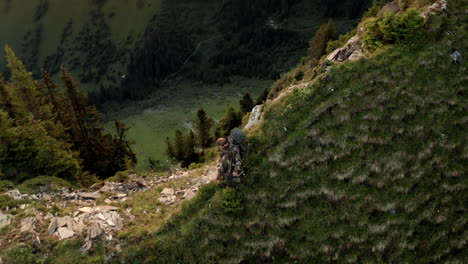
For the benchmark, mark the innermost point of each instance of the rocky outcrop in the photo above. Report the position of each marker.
(87, 219)
(255, 117)
(351, 51)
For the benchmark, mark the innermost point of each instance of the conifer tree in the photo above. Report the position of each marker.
(26, 88)
(32, 142)
(262, 97)
(231, 120)
(246, 104)
(182, 148)
(179, 145)
(189, 149)
(203, 126)
(102, 154)
(6, 101)
(318, 44)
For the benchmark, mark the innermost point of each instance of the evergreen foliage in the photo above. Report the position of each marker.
(102, 154)
(55, 133)
(318, 44)
(392, 28)
(246, 104)
(231, 120)
(262, 97)
(182, 148)
(203, 126)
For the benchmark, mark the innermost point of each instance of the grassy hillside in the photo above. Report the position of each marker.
(367, 165)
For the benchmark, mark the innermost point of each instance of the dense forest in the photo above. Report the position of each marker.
(47, 131)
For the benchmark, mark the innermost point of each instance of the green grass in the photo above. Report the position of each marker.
(370, 169)
(153, 120)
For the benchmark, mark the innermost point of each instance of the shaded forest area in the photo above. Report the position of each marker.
(249, 46)
(251, 39)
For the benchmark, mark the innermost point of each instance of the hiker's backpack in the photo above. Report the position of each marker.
(238, 138)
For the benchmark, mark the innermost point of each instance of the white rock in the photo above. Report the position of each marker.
(94, 231)
(89, 195)
(65, 233)
(86, 210)
(15, 194)
(76, 226)
(105, 208)
(28, 224)
(255, 117)
(189, 194)
(63, 221)
(107, 201)
(106, 188)
(167, 192)
(4, 219)
(120, 195)
(101, 216)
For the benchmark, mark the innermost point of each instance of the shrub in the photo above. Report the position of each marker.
(400, 28)
(233, 201)
(392, 28)
(372, 35)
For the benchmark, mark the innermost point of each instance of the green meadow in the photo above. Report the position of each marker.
(154, 119)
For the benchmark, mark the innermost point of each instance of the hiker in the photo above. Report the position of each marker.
(233, 150)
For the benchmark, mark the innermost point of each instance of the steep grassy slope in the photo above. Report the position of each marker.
(367, 165)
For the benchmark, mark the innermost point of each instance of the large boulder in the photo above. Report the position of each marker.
(351, 51)
(255, 116)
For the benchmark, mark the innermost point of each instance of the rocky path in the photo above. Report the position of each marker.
(94, 213)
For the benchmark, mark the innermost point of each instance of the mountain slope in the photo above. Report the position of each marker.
(367, 165)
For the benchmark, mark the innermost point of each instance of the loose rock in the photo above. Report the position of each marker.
(64, 233)
(28, 224)
(91, 196)
(4, 219)
(52, 226)
(63, 221)
(167, 191)
(86, 210)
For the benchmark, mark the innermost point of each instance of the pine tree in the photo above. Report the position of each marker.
(6, 101)
(179, 145)
(263, 96)
(246, 104)
(182, 148)
(231, 120)
(26, 89)
(203, 126)
(189, 149)
(102, 154)
(318, 44)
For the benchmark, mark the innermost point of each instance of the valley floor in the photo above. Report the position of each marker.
(174, 107)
